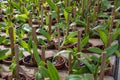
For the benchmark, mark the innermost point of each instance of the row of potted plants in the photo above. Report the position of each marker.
(57, 24)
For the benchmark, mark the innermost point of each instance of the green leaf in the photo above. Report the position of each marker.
(95, 50)
(38, 76)
(66, 15)
(12, 67)
(111, 50)
(117, 52)
(45, 34)
(27, 28)
(106, 3)
(82, 70)
(2, 38)
(116, 33)
(36, 54)
(52, 5)
(2, 53)
(72, 34)
(2, 25)
(52, 71)
(103, 37)
(44, 71)
(41, 41)
(24, 44)
(84, 41)
(21, 17)
(90, 67)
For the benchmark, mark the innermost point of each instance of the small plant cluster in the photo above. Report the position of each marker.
(67, 26)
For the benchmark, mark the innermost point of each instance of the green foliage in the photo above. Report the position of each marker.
(50, 72)
(2, 38)
(24, 44)
(106, 3)
(95, 50)
(36, 54)
(52, 5)
(104, 37)
(3, 53)
(111, 50)
(45, 34)
(78, 77)
(115, 34)
(38, 76)
(84, 41)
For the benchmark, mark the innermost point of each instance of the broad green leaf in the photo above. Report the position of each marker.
(12, 67)
(36, 54)
(84, 55)
(44, 71)
(27, 28)
(117, 53)
(2, 25)
(84, 41)
(66, 15)
(52, 71)
(81, 23)
(2, 53)
(95, 50)
(21, 17)
(38, 76)
(111, 50)
(72, 34)
(103, 37)
(45, 34)
(73, 40)
(52, 5)
(82, 70)
(90, 66)
(116, 33)
(24, 44)
(106, 3)
(2, 38)
(41, 41)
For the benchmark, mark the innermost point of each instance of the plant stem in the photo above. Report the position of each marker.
(34, 35)
(58, 13)
(42, 13)
(50, 24)
(68, 27)
(17, 63)
(67, 2)
(79, 48)
(82, 7)
(70, 64)
(95, 73)
(11, 34)
(102, 66)
(30, 19)
(58, 38)
(87, 26)
(43, 53)
(111, 27)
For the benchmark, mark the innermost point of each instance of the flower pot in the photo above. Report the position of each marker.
(58, 61)
(27, 61)
(8, 60)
